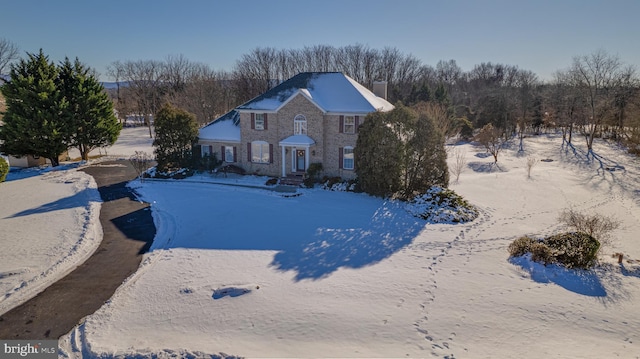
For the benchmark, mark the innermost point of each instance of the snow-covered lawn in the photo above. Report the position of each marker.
(248, 272)
(131, 139)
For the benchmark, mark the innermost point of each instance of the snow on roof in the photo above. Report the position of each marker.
(331, 91)
(297, 140)
(225, 128)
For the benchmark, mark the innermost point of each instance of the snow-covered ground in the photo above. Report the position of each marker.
(131, 139)
(249, 272)
(49, 221)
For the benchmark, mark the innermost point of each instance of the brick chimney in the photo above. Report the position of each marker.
(380, 89)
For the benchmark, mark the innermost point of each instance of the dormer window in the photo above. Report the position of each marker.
(299, 125)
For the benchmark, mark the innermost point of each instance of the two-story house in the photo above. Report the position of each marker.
(312, 117)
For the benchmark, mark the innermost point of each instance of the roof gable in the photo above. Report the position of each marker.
(330, 91)
(225, 128)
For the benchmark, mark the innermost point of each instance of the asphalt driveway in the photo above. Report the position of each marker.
(128, 233)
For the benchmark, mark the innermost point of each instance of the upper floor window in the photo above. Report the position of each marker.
(299, 125)
(258, 121)
(349, 124)
(347, 158)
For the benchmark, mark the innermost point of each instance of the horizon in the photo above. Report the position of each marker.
(542, 36)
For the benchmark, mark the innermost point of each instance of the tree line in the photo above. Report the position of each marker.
(596, 95)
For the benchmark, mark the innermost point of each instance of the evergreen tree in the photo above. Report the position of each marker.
(377, 156)
(400, 153)
(89, 111)
(176, 134)
(33, 124)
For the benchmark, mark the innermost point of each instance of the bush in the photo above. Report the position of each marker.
(442, 205)
(272, 182)
(571, 249)
(4, 169)
(595, 225)
(574, 249)
(540, 252)
(521, 246)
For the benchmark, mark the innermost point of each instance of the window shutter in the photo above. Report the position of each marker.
(270, 151)
(253, 121)
(210, 150)
(357, 123)
(340, 156)
(234, 154)
(222, 154)
(341, 124)
(265, 122)
(197, 149)
(248, 151)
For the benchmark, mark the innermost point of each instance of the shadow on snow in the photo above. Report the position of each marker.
(313, 235)
(579, 281)
(330, 248)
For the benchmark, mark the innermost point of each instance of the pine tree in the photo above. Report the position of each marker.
(89, 111)
(33, 124)
(176, 134)
(377, 156)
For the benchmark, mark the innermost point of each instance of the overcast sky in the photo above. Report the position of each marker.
(542, 35)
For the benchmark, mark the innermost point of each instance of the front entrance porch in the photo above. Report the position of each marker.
(298, 148)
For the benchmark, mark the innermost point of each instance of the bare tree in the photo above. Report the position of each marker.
(141, 161)
(531, 162)
(491, 138)
(8, 53)
(525, 82)
(145, 86)
(596, 225)
(595, 76)
(459, 164)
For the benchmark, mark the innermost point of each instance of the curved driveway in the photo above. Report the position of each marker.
(128, 232)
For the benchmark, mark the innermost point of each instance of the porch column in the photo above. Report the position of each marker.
(283, 161)
(306, 159)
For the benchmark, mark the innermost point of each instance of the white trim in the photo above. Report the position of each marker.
(304, 93)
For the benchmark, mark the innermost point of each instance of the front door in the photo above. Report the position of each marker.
(300, 158)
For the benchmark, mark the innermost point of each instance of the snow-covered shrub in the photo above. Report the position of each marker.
(574, 249)
(4, 169)
(521, 246)
(178, 174)
(571, 249)
(338, 185)
(441, 205)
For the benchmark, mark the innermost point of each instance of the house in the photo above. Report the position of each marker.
(312, 117)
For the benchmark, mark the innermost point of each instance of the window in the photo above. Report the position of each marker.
(229, 154)
(299, 125)
(205, 150)
(259, 122)
(349, 124)
(260, 152)
(347, 158)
